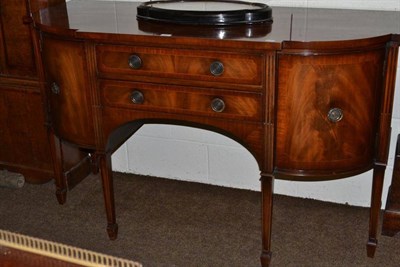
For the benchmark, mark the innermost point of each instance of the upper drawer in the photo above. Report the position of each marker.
(188, 67)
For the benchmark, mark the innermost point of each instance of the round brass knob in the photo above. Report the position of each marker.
(137, 97)
(55, 88)
(217, 68)
(217, 105)
(135, 62)
(335, 114)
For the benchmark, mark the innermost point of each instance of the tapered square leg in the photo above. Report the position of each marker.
(57, 157)
(376, 195)
(108, 191)
(267, 188)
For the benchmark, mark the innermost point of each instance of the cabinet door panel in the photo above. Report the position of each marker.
(310, 88)
(17, 49)
(71, 110)
(23, 133)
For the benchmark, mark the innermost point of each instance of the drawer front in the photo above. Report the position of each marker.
(195, 66)
(175, 99)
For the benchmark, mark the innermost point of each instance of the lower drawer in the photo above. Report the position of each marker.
(176, 99)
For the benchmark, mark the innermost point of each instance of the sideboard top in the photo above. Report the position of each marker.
(92, 18)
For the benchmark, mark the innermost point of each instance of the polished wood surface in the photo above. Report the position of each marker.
(182, 100)
(69, 121)
(311, 99)
(23, 134)
(16, 60)
(308, 144)
(82, 18)
(194, 66)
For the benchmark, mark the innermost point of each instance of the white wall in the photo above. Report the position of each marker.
(392, 5)
(197, 155)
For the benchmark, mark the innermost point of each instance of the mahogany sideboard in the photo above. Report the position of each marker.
(310, 95)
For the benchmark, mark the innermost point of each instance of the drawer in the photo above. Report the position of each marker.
(176, 99)
(188, 67)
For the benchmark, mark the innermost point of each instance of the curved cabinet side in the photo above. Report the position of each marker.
(67, 78)
(327, 113)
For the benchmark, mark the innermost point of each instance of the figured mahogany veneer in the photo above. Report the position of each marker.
(309, 87)
(311, 100)
(174, 99)
(184, 64)
(74, 76)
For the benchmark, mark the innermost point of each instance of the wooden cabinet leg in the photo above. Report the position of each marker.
(94, 162)
(108, 191)
(56, 154)
(376, 195)
(267, 189)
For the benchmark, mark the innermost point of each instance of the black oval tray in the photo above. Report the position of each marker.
(215, 12)
(237, 31)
